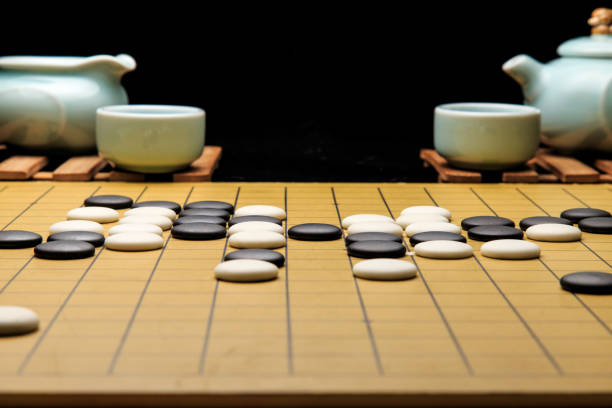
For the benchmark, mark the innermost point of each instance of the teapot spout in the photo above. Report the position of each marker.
(527, 72)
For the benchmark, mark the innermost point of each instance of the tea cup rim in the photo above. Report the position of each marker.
(470, 109)
(149, 111)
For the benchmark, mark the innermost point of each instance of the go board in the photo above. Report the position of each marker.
(155, 328)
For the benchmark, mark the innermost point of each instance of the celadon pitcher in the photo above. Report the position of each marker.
(574, 92)
(49, 103)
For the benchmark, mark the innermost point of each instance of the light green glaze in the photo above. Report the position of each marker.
(49, 103)
(150, 138)
(486, 136)
(573, 92)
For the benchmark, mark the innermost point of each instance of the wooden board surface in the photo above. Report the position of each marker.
(155, 328)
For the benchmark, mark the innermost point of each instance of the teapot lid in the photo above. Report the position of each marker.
(599, 44)
(595, 46)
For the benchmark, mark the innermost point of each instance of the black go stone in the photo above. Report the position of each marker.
(531, 221)
(315, 232)
(491, 232)
(200, 218)
(64, 250)
(599, 283)
(482, 220)
(209, 212)
(436, 236)
(111, 201)
(13, 239)
(198, 231)
(217, 205)
(260, 254)
(371, 236)
(596, 225)
(376, 249)
(93, 238)
(246, 218)
(176, 207)
(576, 214)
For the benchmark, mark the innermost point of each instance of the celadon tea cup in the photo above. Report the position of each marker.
(486, 136)
(150, 138)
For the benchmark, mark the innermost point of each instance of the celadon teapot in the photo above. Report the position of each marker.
(574, 92)
(49, 103)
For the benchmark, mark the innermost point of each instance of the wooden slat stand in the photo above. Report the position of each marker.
(567, 169)
(452, 175)
(447, 173)
(85, 168)
(555, 167)
(21, 167)
(200, 170)
(81, 168)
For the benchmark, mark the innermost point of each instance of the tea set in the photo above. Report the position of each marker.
(78, 104)
(571, 97)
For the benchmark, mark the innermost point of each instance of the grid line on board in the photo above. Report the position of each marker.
(287, 299)
(117, 353)
(428, 195)
(364, 312)
(483, 201)
(6, 285)
(213, 303)
(12, 279)
(587, 307)
(531, 332)
(27, 208)
(575, 198)
(43, 335)
(449, 329)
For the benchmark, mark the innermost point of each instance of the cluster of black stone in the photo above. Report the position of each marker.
(593, 220)
(202, 220)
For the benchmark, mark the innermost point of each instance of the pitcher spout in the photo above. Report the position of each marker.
(114, 65)
(527, 72)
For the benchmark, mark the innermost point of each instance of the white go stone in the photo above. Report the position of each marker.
(121, 228)
(353, 219)
(405, 220)
(101, 215)
(257, 239)
(162, 222)
(255, 226)
(388, 227)
(443, 249)
(146, 211)
(426, 209)
(76, 225)
(246, 270)
(426, 226)
(553, 233)
(134, 241)
(385, 269)
(267, 210)
(510, 249)
(16, 320)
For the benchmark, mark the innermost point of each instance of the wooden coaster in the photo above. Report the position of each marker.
(84, 168)
(446, 173)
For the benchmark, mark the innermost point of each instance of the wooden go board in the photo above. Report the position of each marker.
(155, 328)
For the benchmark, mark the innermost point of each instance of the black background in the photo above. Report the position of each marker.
(309, 91)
